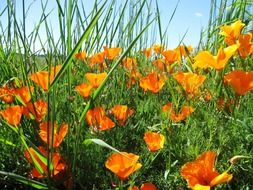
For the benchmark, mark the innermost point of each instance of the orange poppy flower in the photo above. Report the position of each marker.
(159, 63)
(185, 112)
(147, 52)
(58, 163)
(246, 46)
(42, 78)
(122, 112)
(241, 81)
(152, 82)
(129, 63)
(112, 53)
(123, 164)
(58, 135)
(12, 114)
(171, 56)
(205, 59)
(97, 58)
(95, 79)
(232, 32)
(23, 93)
(158, 48)
(97, 119)
(148, 186)
(201, 174)
(154, 141)
(7, 94)
(81, 55)
(134, 75)
(133, 188)
(84, 89)
(190, 81)
(37, 110)
(183, 50)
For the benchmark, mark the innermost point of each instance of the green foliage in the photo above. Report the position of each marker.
(128, 25)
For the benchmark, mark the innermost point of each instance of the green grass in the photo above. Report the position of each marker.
(207, 128)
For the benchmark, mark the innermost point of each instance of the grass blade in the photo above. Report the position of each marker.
(77, 46)
(24, 180)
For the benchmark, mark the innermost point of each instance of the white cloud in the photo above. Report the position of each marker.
(198, 14)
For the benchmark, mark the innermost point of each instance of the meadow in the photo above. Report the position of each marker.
(108, 105)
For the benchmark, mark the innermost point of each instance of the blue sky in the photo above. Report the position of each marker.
(191, 15)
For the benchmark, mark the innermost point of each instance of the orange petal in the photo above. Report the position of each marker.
(154, 141)
(152, 82)
(148, 186)
(122, 112)
(111, 53)
(41, 79)
(84, 89)
(123, 164)
(241, 81)
(224, 177)
(81, 55)
(37, 109)
(95, 79)
(12, 114)
(7, 94)
(24, 93)
(201, 187)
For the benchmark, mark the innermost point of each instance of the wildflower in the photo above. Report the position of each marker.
(56, 135)
(97, 119)
(205, 59)
(95, 79)
(134, 75)
(232, 32)
(158, 48)
(190, 81)
(147, 52)
(201, 174)
(7, 94)
(171, 56)
(122, 113)
(123, 164)
(23, 93)
(111, 53)
(148, 186)
(159, 63)
(152, 82)
(246, 46)
(12, 114)
(97, 58)
(241, 81)
(81, 55)
(183, 50)
(84, 89)
(37, 110)
(42, 78)
(185, 112)
(154, 141)
(57, 162)
(133, 188)
(129, 63)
